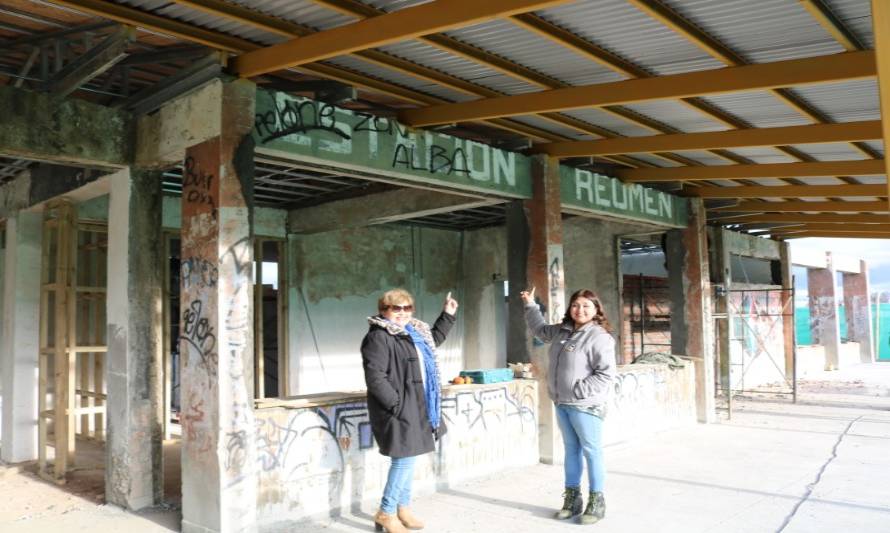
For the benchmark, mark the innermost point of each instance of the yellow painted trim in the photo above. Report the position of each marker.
(804, 218)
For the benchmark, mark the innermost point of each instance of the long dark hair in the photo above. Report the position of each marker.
(600, 317)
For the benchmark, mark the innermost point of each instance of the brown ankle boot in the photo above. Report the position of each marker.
(388, 522)
(408, 519)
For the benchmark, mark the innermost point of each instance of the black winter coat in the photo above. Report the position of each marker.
(396, 401)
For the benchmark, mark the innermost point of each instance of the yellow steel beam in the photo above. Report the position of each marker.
(400, 25)
(772, 170)
(793, 206)
(827, 226)
(880, 14)
(850, 65)
(509, 68)
(790, 191)
(220, 41)
(671, 19)
(805, 218)
(833, 235)
(816, 133)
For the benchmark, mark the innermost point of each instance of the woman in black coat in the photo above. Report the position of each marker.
(404, 395)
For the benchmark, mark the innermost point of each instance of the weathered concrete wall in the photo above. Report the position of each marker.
(66, 130)
(315, 460)
(649, 398)
(483, 305)
(267, 222)
(335, 279)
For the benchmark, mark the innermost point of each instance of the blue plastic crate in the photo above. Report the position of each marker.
(489, 375)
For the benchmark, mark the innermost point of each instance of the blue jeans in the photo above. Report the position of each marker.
(582, 434)
(397, 492)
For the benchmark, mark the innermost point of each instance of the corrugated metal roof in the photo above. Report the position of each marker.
(552, 127)
(820, 180)
(356, 64)
(764, 154)
(759, 109)
(680, 116)
(305, 12)
(707, 158)
(844, 102)
(856, 17)
(519, 45)
(609, 121)
(872, 180)
(626, 31)
(831, 151)
(760, 31)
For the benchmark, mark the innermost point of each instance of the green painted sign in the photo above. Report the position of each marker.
(585, 191)
(315, 132)
(326, 134)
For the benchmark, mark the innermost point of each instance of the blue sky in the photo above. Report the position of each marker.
(875, 251)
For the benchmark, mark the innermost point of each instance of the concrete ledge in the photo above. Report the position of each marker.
(317, 460)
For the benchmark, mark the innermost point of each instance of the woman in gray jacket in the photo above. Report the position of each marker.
(581, 370)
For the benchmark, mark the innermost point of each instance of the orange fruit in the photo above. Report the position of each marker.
(458, 380)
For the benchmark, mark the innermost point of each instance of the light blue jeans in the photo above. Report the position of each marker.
(582, 434)
(397, 492)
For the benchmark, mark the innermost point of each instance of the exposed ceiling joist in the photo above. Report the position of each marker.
(824, 69)
(397, 26)
(789, 191)
(817, 133)
(827, 226)
(832, 24)
(91, 63)
(772, 170)
(793, 206)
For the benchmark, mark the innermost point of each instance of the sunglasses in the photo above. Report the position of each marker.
(398, 308)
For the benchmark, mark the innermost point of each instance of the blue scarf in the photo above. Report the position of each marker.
(431, 384)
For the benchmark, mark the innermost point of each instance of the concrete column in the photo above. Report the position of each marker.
(690, 289)
(20, 346)
(218, 446)
(824, 324)
(858, 311)
(133, 473)
(788, 308)
(534, 233)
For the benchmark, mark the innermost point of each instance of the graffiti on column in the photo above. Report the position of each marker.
(197, 185)
(555, 284)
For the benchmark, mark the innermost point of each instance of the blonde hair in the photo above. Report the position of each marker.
(394, 297)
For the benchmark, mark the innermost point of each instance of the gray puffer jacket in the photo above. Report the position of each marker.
(582, 362)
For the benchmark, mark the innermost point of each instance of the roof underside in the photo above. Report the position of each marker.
(560, 45)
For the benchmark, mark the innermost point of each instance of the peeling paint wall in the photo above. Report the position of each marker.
(335, 280)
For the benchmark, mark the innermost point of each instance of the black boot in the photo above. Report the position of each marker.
(596, 508)
(571, 504)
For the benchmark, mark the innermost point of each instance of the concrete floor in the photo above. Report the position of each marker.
(821, 466)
